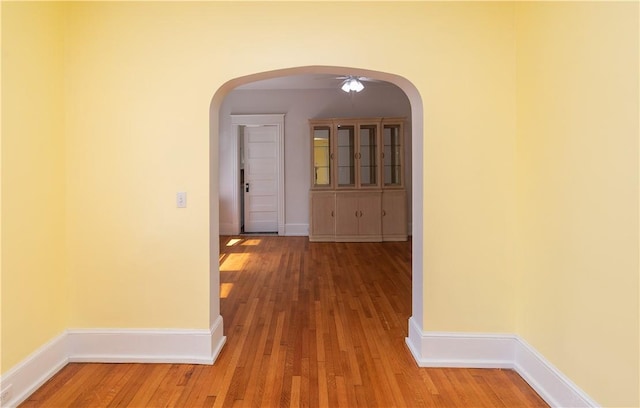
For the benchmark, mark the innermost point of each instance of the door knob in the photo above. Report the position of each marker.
(246, 187)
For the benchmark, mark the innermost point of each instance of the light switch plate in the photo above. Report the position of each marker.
(181, 199)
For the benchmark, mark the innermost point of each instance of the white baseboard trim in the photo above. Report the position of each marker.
(29, 375)
(296, 230)
(218, 339)
(436, 349)
(473, 350)
(177, 346)
(553, 386)
(430, 349)
(141, 346)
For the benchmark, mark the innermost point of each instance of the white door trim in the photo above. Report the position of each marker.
(276, 120)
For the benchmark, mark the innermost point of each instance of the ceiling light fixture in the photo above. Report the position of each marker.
(352, 84)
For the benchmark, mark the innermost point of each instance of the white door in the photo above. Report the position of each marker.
(260, 179)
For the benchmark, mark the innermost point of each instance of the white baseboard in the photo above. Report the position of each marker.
(436, 349)
(430, 349)
(296, 230)
(473, 350)
(178, 346)
(553, 386)
(142, 346)
(28, 375)
(218, 339)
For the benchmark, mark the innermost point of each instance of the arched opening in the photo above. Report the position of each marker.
(416, 170)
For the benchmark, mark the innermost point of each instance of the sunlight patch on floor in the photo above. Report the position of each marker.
(252, 242)
(225, 289)
(233, 241)
(234, 262)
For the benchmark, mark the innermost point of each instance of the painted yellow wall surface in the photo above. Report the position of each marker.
(130, 128)
(34, 285)
(145, 138)
(466, 77)
(578, 128)
(139, 78)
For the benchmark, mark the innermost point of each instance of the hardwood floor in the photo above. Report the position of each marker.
(307, 324)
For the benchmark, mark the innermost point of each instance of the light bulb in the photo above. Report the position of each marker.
(352, 85)
(357, 85)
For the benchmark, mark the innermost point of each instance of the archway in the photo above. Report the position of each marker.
(417, 124)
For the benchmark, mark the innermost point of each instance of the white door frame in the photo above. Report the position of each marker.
(276, 120)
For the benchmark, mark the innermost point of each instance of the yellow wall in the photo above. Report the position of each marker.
(578, 192)
(466, 77)
(137, 133)
(143, 75)
(34, 286)
(139, 78)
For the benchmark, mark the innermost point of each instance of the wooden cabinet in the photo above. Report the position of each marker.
(358, 216)
(322, 223)
(394, 215)
(357, 153)
(355, 162)
(345, 155)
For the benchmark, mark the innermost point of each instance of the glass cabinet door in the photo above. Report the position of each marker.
(346, 155)
(392, 140)
(367, 155)
(321, 156)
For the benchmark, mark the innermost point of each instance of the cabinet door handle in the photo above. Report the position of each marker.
(356, 213)
(331, 156)
(384, 213)
(332, 213)
(360, 213)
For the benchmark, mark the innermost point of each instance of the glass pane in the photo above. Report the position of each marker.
(346, 158)
(392, 152)
(368, 157)
(321, 156)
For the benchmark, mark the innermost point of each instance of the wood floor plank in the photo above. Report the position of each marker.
(66, 395)
(307, 325)
(143, 394)
(130, 384)
(191, 389)
(101, 389)
(49, 390)
(295, 391)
